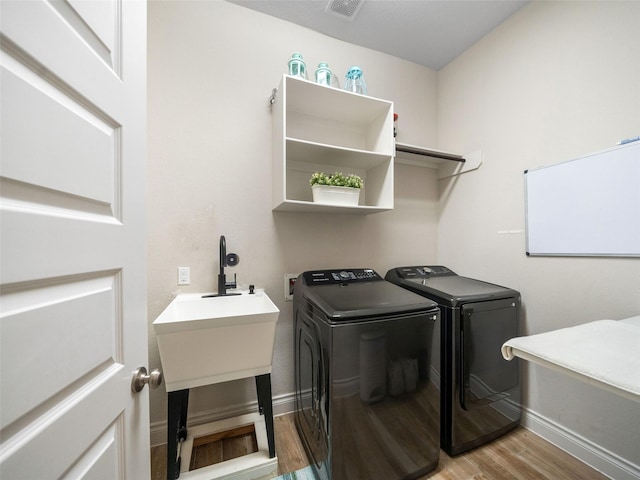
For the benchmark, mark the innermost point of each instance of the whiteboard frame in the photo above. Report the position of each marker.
(540, 242)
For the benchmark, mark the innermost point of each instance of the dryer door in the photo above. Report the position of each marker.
(486, 376)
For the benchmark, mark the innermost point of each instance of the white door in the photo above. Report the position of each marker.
(73, 277)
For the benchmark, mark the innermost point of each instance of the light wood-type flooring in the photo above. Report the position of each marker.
(519, 455)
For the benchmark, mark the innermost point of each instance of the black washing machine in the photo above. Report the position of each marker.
(481, 392)
(367, 400)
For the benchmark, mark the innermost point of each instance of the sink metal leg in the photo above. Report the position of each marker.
(265, 405)
(176, 429)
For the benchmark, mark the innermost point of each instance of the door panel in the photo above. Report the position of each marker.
(55, 312)
(84, 142)
(73, 288)
(102, 458)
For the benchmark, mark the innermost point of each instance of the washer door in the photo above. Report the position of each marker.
(311, 390)
(486, 376)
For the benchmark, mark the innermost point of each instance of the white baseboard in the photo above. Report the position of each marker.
(281, 404)
(595, 456)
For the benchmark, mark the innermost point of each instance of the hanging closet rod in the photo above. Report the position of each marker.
(428, 153)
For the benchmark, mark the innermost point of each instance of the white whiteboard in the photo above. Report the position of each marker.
(589, 206)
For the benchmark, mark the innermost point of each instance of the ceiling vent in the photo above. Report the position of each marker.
(346, 9)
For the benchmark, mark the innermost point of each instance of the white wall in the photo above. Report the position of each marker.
(556, 81)
(211, 68)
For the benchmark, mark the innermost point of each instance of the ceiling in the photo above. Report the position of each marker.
(427, 32)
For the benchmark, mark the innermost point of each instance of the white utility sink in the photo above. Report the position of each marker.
(215, 339)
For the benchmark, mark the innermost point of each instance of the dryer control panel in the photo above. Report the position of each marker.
(330, 277)
(424, 272)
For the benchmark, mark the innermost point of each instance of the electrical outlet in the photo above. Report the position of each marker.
(289, 282)
(184, 275)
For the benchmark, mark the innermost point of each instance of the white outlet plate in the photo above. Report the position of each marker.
(184, 275)
(289, 282)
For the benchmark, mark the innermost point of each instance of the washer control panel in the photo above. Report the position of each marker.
(424, 272)
(330, 277)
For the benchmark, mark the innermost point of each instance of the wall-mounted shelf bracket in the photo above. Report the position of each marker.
(473, 161)
(272, 97)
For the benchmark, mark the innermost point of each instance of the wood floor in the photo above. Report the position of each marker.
(519, 455)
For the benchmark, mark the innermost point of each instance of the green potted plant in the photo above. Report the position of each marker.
(336, 189)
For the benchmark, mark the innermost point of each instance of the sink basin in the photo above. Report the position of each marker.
(216, 339)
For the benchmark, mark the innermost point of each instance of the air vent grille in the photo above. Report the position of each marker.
(344, 8)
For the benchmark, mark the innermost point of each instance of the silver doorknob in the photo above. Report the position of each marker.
(140, 378)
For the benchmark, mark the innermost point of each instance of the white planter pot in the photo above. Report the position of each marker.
(328, 195)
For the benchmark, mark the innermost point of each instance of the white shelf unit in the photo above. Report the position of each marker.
(319, 128)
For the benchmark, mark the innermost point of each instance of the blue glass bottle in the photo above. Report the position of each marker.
(355, 81)
(297, 67)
